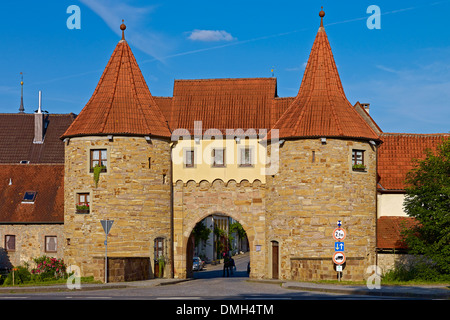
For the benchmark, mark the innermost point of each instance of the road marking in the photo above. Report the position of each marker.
(178, 298)
(14, 297)
(266, 298)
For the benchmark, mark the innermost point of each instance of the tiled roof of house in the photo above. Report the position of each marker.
(389, 231)
(17, 135)
(48, 183)
(321, 108)
(122, 103)
(241, 103)
(396, 154)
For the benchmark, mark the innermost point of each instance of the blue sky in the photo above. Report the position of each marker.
(402, 69)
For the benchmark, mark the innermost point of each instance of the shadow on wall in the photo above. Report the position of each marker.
(5, 263)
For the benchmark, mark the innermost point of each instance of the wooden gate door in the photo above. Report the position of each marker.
(275, 257)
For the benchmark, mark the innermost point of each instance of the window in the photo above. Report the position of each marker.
(245, 157)
(99, 158)
(358, 160)
(50, 243)
(10, 243)
(159, 248)
(218, 157)
(189, 158)
(29, 197)
(83, 203)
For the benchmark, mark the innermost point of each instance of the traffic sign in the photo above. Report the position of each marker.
(106, 224)
(339, 246)
(339, 257)
(339, 234)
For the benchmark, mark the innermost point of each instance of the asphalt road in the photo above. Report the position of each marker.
(208, 284)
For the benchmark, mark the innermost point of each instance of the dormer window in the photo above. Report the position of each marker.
(29, 197)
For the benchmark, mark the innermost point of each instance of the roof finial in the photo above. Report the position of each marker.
(321, 15)
(123, 27)
(21, 108)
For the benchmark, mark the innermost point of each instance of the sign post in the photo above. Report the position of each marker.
(339, 235)
(106, 224)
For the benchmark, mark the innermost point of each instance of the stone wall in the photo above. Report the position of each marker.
(306, 198)
(133, 192)
(243, 201)
(121, 269)
(30, 243)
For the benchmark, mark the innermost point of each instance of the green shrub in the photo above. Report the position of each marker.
(421, 272)
(21, 275)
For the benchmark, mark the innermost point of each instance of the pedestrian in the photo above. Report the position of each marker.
(232, 265)
(226, 265)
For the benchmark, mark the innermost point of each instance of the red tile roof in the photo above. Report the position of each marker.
(389, 231)
(321, 108)
(396, 154)
(122, 103)
(224, 103)
(46, 180)
(17, 134)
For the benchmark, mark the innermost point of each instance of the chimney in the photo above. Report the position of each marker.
(39, 123)
(366, 107)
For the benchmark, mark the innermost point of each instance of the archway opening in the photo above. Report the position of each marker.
(218, 246)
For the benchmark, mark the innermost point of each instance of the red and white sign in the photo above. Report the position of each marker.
(339, 234)
(339, 257)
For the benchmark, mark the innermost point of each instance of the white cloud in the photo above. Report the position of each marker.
(210, 35)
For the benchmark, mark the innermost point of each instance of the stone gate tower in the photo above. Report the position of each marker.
(122, 130)
(327, 172)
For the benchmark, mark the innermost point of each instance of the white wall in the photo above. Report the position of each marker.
(391, 204)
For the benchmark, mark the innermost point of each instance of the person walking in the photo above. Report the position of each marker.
(226, 265)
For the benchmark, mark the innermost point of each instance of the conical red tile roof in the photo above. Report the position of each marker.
(321, 108)
(122, 103)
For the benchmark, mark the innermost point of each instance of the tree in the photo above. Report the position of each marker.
(428, 201)
(201, 232)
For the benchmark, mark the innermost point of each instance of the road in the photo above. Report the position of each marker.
(208, 284)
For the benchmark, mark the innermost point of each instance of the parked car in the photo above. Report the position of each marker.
(198, 264)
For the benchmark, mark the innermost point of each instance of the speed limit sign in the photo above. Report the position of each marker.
(339, 234)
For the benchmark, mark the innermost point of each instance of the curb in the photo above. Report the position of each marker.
(373, 292)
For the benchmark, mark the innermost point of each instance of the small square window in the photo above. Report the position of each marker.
(218, 157)
(83, 203)
(98, 158)
(51, 244)
(10, 242)
(29, 196)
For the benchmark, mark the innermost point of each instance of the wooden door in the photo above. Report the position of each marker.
(275, 258)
